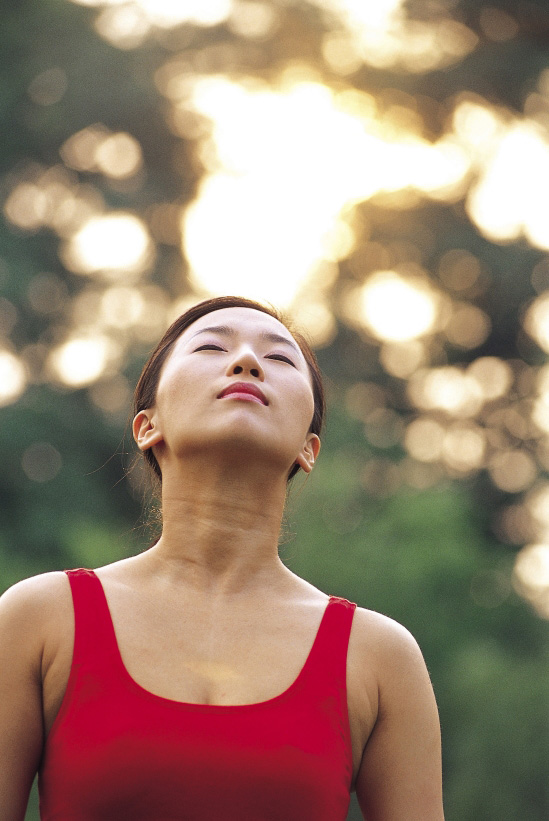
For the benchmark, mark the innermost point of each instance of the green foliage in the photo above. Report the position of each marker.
(418, 557)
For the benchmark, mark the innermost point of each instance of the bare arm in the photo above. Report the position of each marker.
(400, 775)
(21, 726)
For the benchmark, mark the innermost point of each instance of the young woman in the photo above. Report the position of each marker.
(202, 680)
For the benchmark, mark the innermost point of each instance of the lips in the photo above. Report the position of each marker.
(245, 389)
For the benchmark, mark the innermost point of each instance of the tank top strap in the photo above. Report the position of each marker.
(328, 657)
(94, 638)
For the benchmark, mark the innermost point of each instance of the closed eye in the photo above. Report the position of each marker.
(209, 348)
(282, 358)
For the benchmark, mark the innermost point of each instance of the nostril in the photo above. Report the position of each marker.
(254, 372)
(238, 369)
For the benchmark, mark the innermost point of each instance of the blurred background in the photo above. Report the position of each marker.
(380, 170)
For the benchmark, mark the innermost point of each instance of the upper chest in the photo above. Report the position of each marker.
(203, 653)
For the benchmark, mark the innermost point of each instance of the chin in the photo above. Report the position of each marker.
(240, 447)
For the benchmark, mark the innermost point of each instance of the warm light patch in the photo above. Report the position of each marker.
(494, 376)
(536, 321)
(540, 411)
(382, 36)
(253, 19)
(121, 20)
(121, 307)
(53, 198)
(531, 576)
(81, 361)
(26, 206)
(95, 148)
(477, 125)
(512, 470)
(424, 439)
(113, 242)
(468, 326)
(511, 198)
(123, 26)
(402, 359)
(537, 505)
(13, 378)
(316, 320)
(459, 270)
(464, 447)
(261, 223)
(448, 389)
(396, 308)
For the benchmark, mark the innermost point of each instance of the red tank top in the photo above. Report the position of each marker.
(117, 751)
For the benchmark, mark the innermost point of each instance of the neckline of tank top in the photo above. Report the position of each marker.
(213, 708)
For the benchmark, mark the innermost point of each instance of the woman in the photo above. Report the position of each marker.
(202, 680)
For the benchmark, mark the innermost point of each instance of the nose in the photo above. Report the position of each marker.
(246, 362)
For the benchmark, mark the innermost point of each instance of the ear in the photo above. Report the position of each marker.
(309, 453)
(145, 430)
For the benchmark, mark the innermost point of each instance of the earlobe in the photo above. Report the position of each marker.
(308, 455)
(145, 432)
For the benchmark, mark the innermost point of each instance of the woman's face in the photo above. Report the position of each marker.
(235, 382)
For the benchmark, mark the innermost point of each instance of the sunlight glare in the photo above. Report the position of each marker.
(284, 165)
(82, 360)
(446, 388)
(381, 35)
(536, 321)
(531, 576)
(13, 378)
(112, 242)
(397, 308)
(511, 198)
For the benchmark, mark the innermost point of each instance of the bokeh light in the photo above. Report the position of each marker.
(96, 148)
(531, 576)
(80, 361)
(309, 182)
(13, 378)
(279, 209)
(116, 242)
(395, 308)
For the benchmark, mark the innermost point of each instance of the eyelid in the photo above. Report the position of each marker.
(209, 346)
(282, 357)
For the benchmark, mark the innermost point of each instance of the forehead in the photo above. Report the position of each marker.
(241, 321)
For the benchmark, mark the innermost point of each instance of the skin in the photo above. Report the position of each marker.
(216, 571)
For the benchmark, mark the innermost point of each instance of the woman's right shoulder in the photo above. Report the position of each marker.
(36, 602)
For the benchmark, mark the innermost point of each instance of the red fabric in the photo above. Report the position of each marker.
(116, 751)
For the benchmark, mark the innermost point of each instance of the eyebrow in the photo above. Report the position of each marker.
(269, 336)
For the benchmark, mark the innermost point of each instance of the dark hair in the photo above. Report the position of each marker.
(145, 391)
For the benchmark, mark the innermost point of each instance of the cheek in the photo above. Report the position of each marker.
(303, 408)
(175, 398)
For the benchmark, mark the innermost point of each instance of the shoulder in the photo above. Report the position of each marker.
(380, 639)
(35, 593)
(386, 668)
(31, 606)
(400, 770)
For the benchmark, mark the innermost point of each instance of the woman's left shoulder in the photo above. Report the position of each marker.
(374, 633)
(385, 657)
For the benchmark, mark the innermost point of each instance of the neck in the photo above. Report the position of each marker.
(221, 526)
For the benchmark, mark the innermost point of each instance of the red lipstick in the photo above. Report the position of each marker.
(244, 390)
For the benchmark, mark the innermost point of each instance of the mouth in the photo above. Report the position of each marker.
(245, 391)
